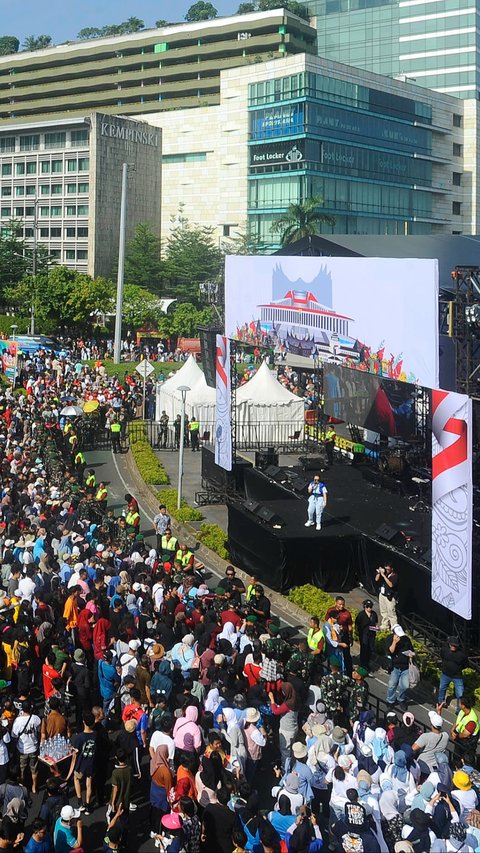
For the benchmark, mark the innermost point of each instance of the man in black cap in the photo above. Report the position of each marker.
(454, 660)
(366, 625)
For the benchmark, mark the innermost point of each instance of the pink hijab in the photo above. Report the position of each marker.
(186, 734)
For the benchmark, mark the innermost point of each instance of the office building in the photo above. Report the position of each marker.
(155, 69)
(387, 157)
(62, 180)
(433, 43)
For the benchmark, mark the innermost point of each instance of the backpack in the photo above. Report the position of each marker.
(413, 674)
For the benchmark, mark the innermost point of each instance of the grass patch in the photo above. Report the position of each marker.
(186, 513)
(214, 537)
(113, 367)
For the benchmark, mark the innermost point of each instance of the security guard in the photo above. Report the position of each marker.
(115, 429)
(330, 443)
(132, 520)
(185, 557)
(90, 479)
(466, 728)
(102, 496)
(194, 429)
(169, 545)
(80, 463)
(315, 637)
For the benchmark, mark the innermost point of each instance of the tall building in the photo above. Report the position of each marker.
(387, 157)
(63, 180)
(173, 67)
(433, 43)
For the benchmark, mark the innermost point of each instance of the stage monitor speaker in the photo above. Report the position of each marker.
(313, 463)
(268, 515)
(274, 472)
(300, 486)
(208, 346)
(264, 458)
(252, 506)
(389, 534)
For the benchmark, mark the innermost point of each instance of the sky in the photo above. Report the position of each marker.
(62, 19)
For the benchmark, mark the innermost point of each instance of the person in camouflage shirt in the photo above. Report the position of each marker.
(335, 688)
(275, 647)
(358, 693)
(300, 662)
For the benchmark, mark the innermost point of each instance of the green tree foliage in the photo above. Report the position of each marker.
(142, 259)
(291, 5)
(192, 256)
(245, 8)
(37, 42)
(161, 22)
(69, 297)
(201, 11)
(131, 25)
(140, 307)
(8, 44)
(244, 242)
(302, 219)
(14, 262)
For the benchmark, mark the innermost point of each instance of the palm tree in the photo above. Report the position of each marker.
(301, 220)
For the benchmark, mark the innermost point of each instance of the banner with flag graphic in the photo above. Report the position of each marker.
(223, 426)
(452, 501)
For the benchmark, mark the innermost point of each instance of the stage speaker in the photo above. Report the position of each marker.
(264, 458)
(208, 346)
(389, 534)
(313, 463)
(251, 505)
(268, 515)
(274, 472)
(300, 486)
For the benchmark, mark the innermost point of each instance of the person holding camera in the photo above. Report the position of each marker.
(387, 580)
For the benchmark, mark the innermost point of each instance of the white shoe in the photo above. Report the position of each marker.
(309, 523)
(318, 527)
(132, 807)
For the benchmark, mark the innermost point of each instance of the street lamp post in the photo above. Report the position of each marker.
(183, 390)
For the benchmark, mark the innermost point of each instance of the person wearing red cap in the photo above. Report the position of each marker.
(171, 838)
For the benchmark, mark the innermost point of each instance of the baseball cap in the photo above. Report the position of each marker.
(69, 813)
(368, 602)
(134, 645)
(435, 719)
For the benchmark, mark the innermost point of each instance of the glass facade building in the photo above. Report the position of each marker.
(434, 43)
(366, 152)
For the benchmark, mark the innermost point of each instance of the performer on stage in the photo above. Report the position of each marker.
(316, 502)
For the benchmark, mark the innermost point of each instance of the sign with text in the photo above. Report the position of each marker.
(277, 152)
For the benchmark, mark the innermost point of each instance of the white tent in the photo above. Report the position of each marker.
(267, 412)
(169, 398)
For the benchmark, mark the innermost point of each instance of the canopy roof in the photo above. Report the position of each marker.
(265, 389)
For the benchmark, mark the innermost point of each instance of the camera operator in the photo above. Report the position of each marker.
(387, 580)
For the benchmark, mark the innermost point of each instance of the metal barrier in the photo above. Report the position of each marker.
(286, 437)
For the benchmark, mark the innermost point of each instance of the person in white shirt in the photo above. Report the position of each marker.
(27, 585)
(26, 733)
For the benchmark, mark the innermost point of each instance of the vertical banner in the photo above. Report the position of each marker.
(452, 501)
(223, 426)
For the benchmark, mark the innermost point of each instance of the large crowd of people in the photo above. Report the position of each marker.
(133, 682)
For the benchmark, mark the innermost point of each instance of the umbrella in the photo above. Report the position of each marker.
(68, 398)
(71, 411)
(91, 406)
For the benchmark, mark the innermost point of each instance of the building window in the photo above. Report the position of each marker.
(71, 165)
(19, 211)
(7, 145)
(6, 169)
(57, 166)
(71, 188)
(82, 210)
(55, 140)
(30, 142)
(69, 254)
(79, 137)
(82, 231)
(71, 210)
(82, 255)
(45, 167)
(226, 230)
(30, 190)
(56, 189)
(45, 189)
(6, 211)
(43, 232)
(83, 164)
(31, 168)
(457, 120)
(55, 232)
(29, 211)
(55, 210)
(457, 179)
(457, 149)
(19, 191)
(55, 254)
(83, 187)
(44, 210)
(20, 168)
(6, 191)
(456, 208)
(69, 232)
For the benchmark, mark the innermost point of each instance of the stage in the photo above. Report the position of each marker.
(284, 553)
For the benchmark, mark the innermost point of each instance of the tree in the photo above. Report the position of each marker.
(14, 261)
(161, 23)
(37, 42)
(244, 242)
(8, 44)
(291, 5)
(245, 8)
(133, 25)
(301, 220)
(201, 11)
(192, 257)
(140, 307)
(143, 265)
(89, 33)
